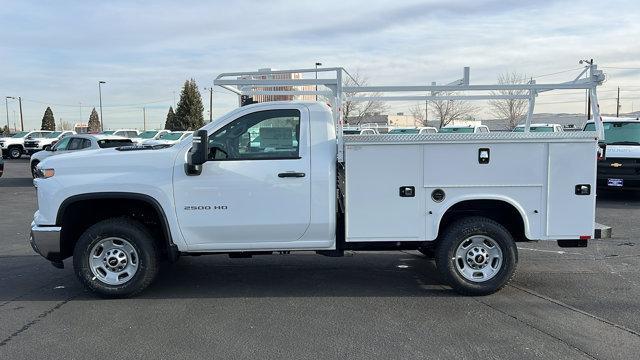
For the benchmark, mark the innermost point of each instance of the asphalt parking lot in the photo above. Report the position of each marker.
(563, 304)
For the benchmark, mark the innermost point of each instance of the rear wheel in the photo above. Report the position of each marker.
(116, 258)
(476, 256)
(15, 152)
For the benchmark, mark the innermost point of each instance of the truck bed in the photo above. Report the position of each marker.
(535, 173)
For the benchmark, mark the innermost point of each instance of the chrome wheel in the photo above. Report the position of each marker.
(15, 153)
(113, 260)
(478, 258)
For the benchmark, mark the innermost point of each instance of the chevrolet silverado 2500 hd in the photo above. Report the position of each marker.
(279, 177)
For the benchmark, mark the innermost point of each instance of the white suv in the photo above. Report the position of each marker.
(33, 145)
(13, 146)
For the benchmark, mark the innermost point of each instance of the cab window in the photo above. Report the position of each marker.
(262, 135)
(62, 144)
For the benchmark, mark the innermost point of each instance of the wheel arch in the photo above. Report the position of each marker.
(502, 209)
(74, 206)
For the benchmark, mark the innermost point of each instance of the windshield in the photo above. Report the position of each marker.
(20, 134)
(456, 130)
(535, 129)
(54, 134)
(619, 133)
(148, 134)
(171, 136)
(111, 143)
(403, 131)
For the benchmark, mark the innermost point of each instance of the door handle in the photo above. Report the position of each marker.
(292, 174)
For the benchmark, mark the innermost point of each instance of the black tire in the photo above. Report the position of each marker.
(46, 148)
(15, 152)
(135, 234)
(33, 168)
(448, 264)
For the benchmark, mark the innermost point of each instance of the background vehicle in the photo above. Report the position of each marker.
(427, 130)
(419, 130)
(149, 135)
(168, 138)
(36, 144)
(76, 143)
(303, 186)
(540, 128)
(13, 146)
(620, 167)
(358, 131)
(464, 129)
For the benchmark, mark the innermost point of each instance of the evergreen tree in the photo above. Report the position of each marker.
(94, 122)
(48, 122)
(188, 114)
(170, 124)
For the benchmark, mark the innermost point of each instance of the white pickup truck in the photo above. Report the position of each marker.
(301, 186)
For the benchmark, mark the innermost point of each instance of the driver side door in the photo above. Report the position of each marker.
(254, 191)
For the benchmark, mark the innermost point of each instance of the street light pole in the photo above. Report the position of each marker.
(6, 104)
(210, 103)
(21, 120)
(317, 64)
(100, 95)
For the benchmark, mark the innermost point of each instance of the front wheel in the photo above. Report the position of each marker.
(476, 256)
(116, 258)
(15, 152)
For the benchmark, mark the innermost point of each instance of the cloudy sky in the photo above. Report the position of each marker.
(55, 52)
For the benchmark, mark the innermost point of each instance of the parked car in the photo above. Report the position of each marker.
(13, 146)
(358, 131)
(619, 168)
(33, 145)
(168, 138)
(464, 129)
(540, 128)
(77, 143)
(149, 135)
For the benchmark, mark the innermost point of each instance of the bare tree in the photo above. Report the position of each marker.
(445, 111)
(417, 111)
(358, 109)
(511, 110)
(64, 125)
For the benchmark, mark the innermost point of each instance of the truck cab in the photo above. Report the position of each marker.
(619, 168)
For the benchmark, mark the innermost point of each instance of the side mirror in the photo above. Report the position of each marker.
(198, 154)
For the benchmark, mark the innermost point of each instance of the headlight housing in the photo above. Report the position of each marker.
(44, 173)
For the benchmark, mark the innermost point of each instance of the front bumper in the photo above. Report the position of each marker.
(45, 240)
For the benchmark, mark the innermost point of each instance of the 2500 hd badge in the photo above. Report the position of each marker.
(205, 207)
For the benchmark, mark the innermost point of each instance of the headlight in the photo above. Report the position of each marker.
(44, 173)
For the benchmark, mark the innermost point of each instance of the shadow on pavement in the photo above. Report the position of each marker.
(366, 275)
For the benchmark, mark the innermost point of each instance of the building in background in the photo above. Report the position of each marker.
(282, 76)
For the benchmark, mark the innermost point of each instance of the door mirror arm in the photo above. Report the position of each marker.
(198, 153)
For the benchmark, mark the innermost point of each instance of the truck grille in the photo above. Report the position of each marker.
(611, 167)
(30, 144)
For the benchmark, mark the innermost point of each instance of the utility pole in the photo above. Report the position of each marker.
(210, 103)
(100, 95)
(6, 104)
(317, 64)
(144, 119)
(590, 62)
(21, 119)
(618, 103)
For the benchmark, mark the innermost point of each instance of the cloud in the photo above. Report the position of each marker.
(57, 51)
